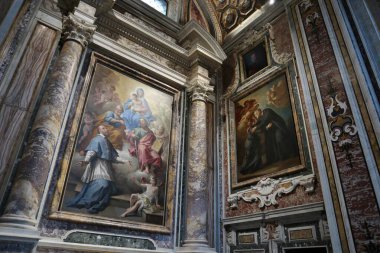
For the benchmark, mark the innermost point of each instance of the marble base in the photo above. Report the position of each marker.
(17, 221)
(47, 245)
(195, 249)
(18, 234)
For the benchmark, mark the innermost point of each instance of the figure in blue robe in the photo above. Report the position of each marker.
(136, 108)
(98, 177)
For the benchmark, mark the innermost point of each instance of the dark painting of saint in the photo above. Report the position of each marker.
(255, 60)
(266, 140)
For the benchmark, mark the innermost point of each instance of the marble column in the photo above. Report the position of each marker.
(24, 201)
(197, 175)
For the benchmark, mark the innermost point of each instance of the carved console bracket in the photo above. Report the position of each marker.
(267, 190)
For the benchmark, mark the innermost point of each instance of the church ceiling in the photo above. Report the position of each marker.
(231, 13)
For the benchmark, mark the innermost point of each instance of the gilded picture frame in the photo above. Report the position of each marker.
(144, 173)
(255, 59)
(264, 131)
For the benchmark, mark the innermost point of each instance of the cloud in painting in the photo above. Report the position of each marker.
(277, 95)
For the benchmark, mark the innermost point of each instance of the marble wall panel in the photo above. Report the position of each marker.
(197, 15)
(12, 125)
(15, 38)
(15, 247)
(18, 104)
(352, 169)
(30, 71)
(280, 33)
(45, 250)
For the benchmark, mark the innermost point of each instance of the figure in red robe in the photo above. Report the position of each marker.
(141, 140)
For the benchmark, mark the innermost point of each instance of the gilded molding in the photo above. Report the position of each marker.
(77, 30)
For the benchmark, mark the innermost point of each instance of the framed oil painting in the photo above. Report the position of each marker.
(267, 142)
(255, 59)
(116, 169)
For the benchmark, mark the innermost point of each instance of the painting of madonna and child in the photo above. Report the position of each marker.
(119, 165)
(266, 139)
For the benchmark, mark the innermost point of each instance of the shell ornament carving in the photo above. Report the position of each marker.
(267, 190)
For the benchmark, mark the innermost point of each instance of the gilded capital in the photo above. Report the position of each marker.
(200, 89)
(199, 84)
(78, 30)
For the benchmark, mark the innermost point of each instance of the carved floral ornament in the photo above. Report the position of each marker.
(267, 190)
(251, 38)
(272, 232)
(200, 90)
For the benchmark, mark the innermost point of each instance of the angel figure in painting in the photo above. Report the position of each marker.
(148, 200)
(87, 129)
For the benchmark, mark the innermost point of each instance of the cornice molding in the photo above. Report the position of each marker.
(150, 16)
(202, 47)
(284, 215)
(106, 43)
(122, 25)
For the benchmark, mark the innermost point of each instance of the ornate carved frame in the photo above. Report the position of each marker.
(268, 55)
(232, 133)
(56, 211)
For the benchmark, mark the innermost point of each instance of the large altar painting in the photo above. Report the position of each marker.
(117, 169)
(267, 142)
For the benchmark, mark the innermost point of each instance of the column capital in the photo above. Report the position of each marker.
(75, 28)
(199, 84)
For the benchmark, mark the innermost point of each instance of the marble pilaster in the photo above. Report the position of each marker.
(195, 239)
(24, 201)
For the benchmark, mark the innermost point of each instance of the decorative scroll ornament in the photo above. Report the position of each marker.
(251, 36)
(306, 4)
(341, 125)
(267, 190)
(235, 83)
(231, 238)
(311, 21)
(272, 232)
(77, 30)
(279, 58)
(324, 228)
